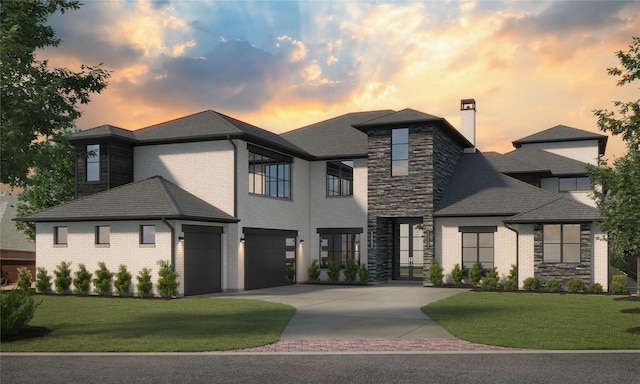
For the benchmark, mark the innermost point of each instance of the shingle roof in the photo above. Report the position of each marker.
(10, 237)
(508, 165)
(335, 137)
(149, 199)
(558, 165)
(560, 210)
(562, 133)
(104, 131)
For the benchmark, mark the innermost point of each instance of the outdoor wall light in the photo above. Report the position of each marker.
(301, 241)
(242, 240)
(181, 239)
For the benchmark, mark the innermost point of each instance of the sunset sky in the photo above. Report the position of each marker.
(281, 65)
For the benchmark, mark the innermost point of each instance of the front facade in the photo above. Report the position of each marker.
(234, 207)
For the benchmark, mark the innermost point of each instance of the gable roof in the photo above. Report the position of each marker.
(336, 137)
(150, 199)
(563, 133)
(556, 164)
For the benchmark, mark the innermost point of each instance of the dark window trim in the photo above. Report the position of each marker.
(332, 231)
(261, 171)
(575, 180)
(56, 240)
(562, 243)
(97, 242)
(91, 159)
(265, 152)
(478, 247)
(352, 251)
(478, 229)
(341, 171)
(394, 145)
(141, 233)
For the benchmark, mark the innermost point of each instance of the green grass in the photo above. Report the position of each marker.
(95, 324)
(539, 321)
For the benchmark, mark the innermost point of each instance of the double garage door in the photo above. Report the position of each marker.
(270, 258)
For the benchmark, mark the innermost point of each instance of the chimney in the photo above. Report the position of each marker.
(468, 122)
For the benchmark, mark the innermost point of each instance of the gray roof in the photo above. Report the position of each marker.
(336, 137)
(508, 165)
(104, 131)
(10, 237)
(560, 210)
(563, 133)
(556, 164)
(149, 199)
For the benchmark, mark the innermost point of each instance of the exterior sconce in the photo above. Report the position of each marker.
(181, 239)
(242, 240)
(301, 241)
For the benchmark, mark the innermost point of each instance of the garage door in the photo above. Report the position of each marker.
(202, 259)
(270, 258)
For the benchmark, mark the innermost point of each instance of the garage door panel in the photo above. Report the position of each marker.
(265, 258)
(203, 259)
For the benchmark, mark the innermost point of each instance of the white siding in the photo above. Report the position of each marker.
(600, 257)
(581, 150)
(551, 184)
(526, 263)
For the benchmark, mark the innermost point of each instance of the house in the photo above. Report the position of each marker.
(235, 207)
(16, 250)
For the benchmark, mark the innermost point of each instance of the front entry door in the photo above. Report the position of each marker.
(408, 258)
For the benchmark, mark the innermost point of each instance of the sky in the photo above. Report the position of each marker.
(281, 65)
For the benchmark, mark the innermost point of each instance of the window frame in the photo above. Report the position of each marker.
(341, 172)
(142, 235)
(478, 231)
(99, 241)
(92, 161)
(56, 235)
(342, 251)
(577, 184)
(561, 244)
(400, 160)
(262, 164)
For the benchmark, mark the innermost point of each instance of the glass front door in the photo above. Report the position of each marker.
(409, 251)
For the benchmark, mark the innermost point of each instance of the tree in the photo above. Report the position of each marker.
(618, 194)
(38, 102)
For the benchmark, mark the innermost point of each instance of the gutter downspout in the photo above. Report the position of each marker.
(173, 244)
(508, 226)
(235, 176)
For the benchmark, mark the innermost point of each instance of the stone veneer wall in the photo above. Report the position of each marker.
(563, 271)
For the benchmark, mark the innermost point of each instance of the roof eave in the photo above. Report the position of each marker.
(125, 218)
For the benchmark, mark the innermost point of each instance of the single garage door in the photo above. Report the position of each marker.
(202, 259)
(270, 258)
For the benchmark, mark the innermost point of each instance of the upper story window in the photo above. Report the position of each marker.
(339, 178)
(147, 234)
(93, 162)
(400, 152)
(103, 234)
(566, 184)
(60, 235)
(269, 173)
(561, 243)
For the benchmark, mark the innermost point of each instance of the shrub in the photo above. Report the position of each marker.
(435, 275)
(102, 281)
(363, 274)
(24, 279)
(17, 307)
(62, 282)
(475, 274)
(334, 272)
(351, 271)
(595, 288)
(456, 275)
(575, 285)
(144, 285)
(490, 282)
(167, 283)
(313, 271)
(553, 285)
(531, 284)
(43, 280)
(511, 284)
(82, 280)
(618, 284)
(123, 281)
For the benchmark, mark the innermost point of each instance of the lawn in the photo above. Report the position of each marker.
(111, 324)
(539, 321)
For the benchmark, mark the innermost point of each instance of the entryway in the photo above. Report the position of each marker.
(408, 249)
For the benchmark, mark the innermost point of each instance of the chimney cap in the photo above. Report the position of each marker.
(466, 104)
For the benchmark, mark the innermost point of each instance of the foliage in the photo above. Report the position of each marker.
(553, 285)
(456, 275)
(531, 284)
(43, 280)
(618, 186)
(334, 272)
(62, 282)
(363, 274)
(167, 283)
(103, 279)
(144, 285)
(490, 282)
(37, 101)
(24, 279)
(475, 274)
(435, 275)
(351, 271)
(595, 288)
(82, 280)
(313, 271)
(17, 307)
(575, 285)
(511, 284)
(618, 284)
(123, 280)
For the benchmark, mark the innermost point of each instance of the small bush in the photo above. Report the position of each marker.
(313, 271)
(475, 274)
(575, 285)
(123, 281)
(82, 280)
(618, 284)
(511, 284)
(167, 283)
(351, 271)
(531, 284)
(17, 307)
(489, 283)
(553, 285)
(435, 275)
(334, 272)
(595, 288)
(144, 285)
(62, 282)
(43, 280)
(24, 279)
(103, 279)
(363, 274)
(456, 275)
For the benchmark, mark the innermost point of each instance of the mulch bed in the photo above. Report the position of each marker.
(631, 310)
(27, 333)
(635, 330)
(627, 298)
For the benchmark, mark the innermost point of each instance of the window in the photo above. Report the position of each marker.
(60, 235)
(566, 184)
(103, 234)
(561, 243)
(93, 162)
(339, 245)
(147, 234)
(477, 246)
(339, 178)
(400, 152)
(269, 173)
